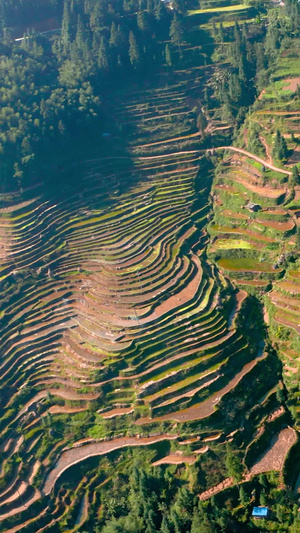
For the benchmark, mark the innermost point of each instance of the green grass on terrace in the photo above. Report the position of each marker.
(237, 7)
(228, 244)
(246, 264)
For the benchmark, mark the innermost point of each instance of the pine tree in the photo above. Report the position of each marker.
(175, 521)
(150, 6)
(150, 526)
(66, 25)
(214, 30)
(236, 32)
(103, 63)
(142, 21)
(200, 524)
(134, 54)
(158, 10)
(280, 149)
(276, 145)
(233, 464)
(283, 148)
(242, 70)
(235, 89)
(295, 177)
(98, 15)
(81, 35)
(179, 6)
(2, 21)
(221, 33)
(168, 56)
(113, 40)
(243, 498)
(201, 123)
(165, 526)
(176, 31)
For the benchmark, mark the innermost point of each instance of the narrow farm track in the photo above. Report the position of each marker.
(71, 457)
(264, 162)
(256, 158)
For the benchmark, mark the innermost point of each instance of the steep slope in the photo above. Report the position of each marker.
(124, 319)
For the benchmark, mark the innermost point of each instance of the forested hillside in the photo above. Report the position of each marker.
(149, 266)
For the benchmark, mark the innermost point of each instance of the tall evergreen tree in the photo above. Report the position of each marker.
(103, 62)
(295, 177)
(165, 525)
(176, 31)
(98, 15)
(113, 41)
(221, 33)
(236, 32)
(66, 25)
(280, 149)
(2, 21)
(142, 21)
(179, 6)
(158, 10)
(81, 34)
(242, 70)
(150, 6)
(233, 464)
(134, 54)
(168, 55)
(200, 524)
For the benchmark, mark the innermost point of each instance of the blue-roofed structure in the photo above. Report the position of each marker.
(260, 512)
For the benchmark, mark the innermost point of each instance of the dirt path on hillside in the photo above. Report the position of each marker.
(76, 455)
(233, 148)
(252, 156)
(267, 149)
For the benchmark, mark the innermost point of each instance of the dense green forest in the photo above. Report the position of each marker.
(162, 501)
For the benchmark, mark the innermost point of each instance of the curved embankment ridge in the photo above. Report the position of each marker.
(76, 455)
(207, 407)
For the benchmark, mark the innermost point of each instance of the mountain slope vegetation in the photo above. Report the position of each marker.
(149, 233)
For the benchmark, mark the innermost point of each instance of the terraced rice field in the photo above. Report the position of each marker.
(110, 304)
(120, 316)
(257, 245)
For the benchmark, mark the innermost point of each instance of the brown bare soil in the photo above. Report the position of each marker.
(117, 412)
(274, 458)
(292, 84)
(76, 455)
(175, 460)
(254, 282)
(206, 408)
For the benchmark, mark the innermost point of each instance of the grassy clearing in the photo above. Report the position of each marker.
(226, 23)
(237, 7)
(228, 244)
(245, 264)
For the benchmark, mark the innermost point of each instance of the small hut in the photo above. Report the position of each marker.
(253, 207)
(260, 512)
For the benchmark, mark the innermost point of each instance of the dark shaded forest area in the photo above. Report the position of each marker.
(52, 85)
